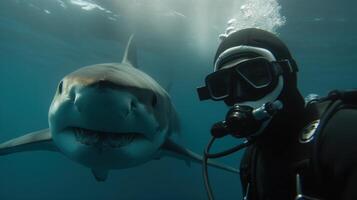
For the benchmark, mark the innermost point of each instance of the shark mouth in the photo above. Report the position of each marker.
(104, 139)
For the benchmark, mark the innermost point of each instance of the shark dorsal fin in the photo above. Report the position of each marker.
(130, 52)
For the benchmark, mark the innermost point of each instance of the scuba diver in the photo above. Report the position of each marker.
(295, 148)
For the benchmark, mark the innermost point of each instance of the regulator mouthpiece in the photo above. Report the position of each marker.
(244, 121)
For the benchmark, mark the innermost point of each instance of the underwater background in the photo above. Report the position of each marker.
(43, 40)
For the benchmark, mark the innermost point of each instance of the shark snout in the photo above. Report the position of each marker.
(103, 101)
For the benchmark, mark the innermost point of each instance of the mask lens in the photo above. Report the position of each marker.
(256, 72)
(218, 84)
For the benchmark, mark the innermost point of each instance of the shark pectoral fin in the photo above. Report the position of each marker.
(175, 150)
(35, 141)
(100, 174)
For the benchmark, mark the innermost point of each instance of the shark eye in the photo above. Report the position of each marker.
(60, 87)
(154, 100)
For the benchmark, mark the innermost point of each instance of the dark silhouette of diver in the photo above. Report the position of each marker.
(296, 148)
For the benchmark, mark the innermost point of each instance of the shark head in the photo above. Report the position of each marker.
(111, 116)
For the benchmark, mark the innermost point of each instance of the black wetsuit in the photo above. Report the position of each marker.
(327, 164)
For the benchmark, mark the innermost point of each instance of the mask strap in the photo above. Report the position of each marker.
(287, 64)
(203, 93)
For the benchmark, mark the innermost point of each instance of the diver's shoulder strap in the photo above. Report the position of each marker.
(306, 153)
(325, 108)
(318, 112)
(303, 149)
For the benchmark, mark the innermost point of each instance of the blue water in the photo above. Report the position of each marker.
(41, 41)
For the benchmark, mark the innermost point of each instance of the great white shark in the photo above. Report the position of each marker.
(109, 116)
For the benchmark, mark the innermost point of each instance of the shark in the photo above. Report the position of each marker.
(109, 116)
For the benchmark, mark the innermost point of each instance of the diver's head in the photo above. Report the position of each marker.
(252, 67)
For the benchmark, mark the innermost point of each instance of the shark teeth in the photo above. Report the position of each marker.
(103, 139)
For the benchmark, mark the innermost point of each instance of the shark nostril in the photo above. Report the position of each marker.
(76, 102)
(133, 105)
(77, 107)
(130, 107)
(72, 96)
